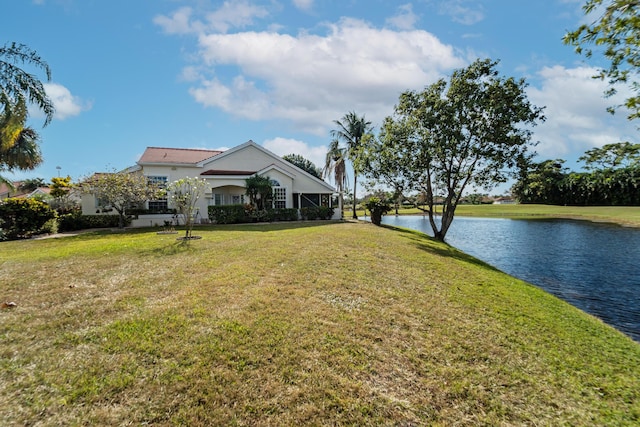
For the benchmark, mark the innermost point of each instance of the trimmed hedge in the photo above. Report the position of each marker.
(316, 212)
(136, 212)
(234, 214)
(287, 214)
(77, 221)
(228, 214)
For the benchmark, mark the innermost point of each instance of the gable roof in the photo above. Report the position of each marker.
(183, 156)
(276, 160)
(202, 158)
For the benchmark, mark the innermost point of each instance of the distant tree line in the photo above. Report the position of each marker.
(612, 178)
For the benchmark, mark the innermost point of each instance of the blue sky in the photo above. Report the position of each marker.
(127, 74)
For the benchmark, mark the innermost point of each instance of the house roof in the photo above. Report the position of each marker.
(176, 155)
(227, 172)
(5, 191)
(211, 158)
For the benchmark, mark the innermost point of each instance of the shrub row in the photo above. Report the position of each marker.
(77, 221)
(234, 214)
(135, 212)
(316, 212)
(228, 214)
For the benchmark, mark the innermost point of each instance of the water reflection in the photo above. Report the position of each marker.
(593, 266)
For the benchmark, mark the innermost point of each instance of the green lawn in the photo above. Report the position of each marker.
(295, 324)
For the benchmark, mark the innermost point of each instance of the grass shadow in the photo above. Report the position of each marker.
(180, 246)
(267, 226)
(427, 243)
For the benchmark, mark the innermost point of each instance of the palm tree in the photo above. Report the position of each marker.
(18, 86)
(350, 130)
(335, 164)
(24, 154)
(19, 143)
(19, 147)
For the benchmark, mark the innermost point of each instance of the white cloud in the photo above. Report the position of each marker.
(576, 112)
(461, 12)
(66, 105)
(311, 79)
(305, 5)
(177, 23)
(232, 14)
(405, 19)
(284, 146)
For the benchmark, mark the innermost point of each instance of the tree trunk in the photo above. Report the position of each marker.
(355, 180)
(120, 218)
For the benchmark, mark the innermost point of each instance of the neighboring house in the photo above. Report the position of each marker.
(6, 192)
(225, 173)
(504, 201)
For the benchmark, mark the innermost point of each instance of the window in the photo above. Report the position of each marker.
(218, 199)
(310, 200)
(237, 199)
(279, 197)
(158, 205)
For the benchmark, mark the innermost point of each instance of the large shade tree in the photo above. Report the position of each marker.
(381, 155)
(468, 132)
(304, 164)
(351, 130)
(614, 33)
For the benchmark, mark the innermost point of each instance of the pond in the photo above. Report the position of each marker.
(594, 266)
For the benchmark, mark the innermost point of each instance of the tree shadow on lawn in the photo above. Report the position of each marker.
(181, 246)
(428, 244)
(267, 226)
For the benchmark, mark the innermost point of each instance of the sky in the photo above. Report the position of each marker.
(128, 74)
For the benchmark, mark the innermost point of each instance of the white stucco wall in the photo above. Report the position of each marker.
(246, 157)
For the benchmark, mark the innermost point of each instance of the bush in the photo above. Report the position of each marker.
(377, 207)
(228, 214)
(316, 212)
(234, 214)
(136, 212)
(23, 218)
(77, 221)
(287, 214)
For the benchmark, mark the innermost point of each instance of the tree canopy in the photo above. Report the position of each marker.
(615, 31)
(612, 179)
(304, 164)
(121, 190)
(612, 156)
(469, 131)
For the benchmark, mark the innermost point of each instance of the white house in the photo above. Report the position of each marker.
(225, 173)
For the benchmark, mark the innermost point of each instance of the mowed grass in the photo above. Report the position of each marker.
(295, 324)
